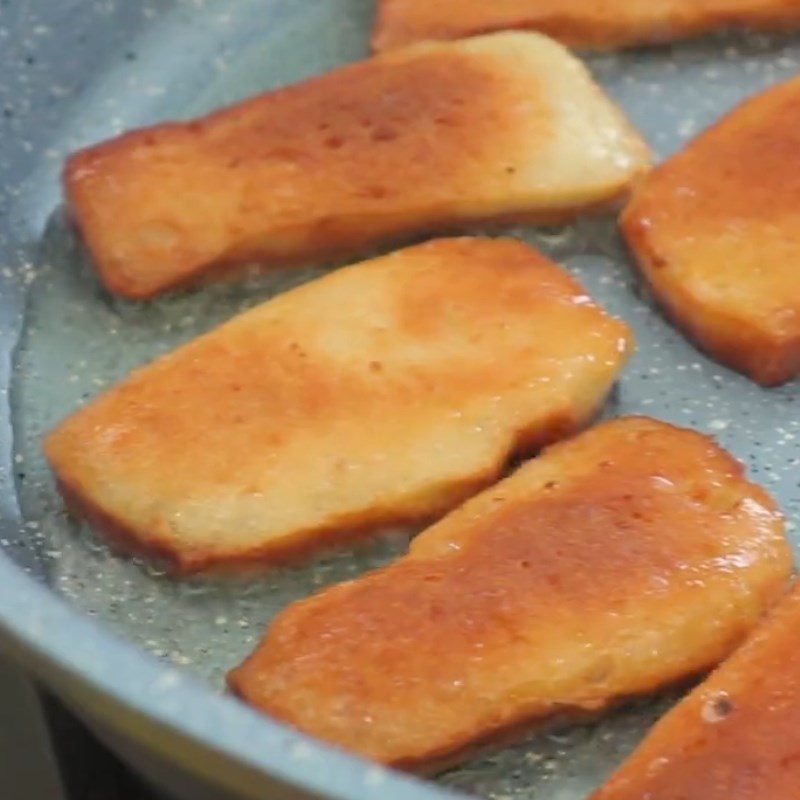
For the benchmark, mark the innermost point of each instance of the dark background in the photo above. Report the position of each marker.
(89, 771)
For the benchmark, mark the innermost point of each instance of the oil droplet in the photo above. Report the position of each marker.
(717, 708)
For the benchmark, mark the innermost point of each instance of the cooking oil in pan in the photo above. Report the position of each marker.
(77, 340)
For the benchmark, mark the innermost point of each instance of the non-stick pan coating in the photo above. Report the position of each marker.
(74, 72)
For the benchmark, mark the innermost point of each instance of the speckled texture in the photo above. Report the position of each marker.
(178, 58)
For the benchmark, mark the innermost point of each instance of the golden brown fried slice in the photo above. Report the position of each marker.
(600, 24)
(716, 232)
(618, 562)
(737, 736)
(433, 138)
(384, 392)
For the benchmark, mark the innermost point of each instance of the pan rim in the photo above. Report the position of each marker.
(138, 683)
(63, 647)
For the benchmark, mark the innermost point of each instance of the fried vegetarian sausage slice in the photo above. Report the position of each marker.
(716, 233)
(385, 392)
(595, 24)
(615, 564)
(737, 736)
(430, 139)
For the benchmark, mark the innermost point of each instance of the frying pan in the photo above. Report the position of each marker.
(142, 658)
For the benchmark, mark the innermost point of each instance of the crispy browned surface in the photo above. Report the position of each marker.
(384, 392)
(716, 232)
(427, 139)
(737, 736)
(600, 24)
(618, 562)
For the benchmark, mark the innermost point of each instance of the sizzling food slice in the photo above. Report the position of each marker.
(716, 232)
(581, 23)
(614, 564)
(435, 137)
(737, 736)
(384, 392)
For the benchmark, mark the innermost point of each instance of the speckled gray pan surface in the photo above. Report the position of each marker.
(75, 72)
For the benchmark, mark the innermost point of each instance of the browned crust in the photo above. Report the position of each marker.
(328, 168)
(494, 740)
(330, 248)
(291, 549)
(287, 551)
(212, 420)
(732, 175)
(727, 338)
(490, 741)
(591, 29)
(329, 662)
(735, 736)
